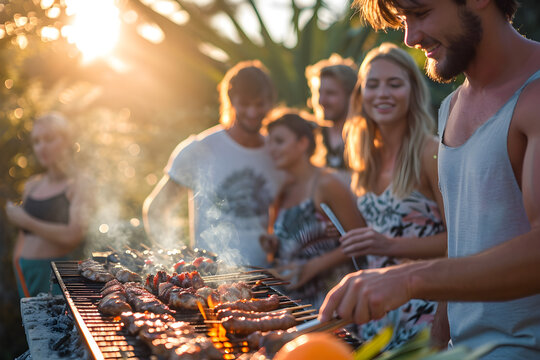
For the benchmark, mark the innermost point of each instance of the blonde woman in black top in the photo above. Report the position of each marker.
(50, 217)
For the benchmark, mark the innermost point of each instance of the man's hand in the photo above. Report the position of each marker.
(367, 295)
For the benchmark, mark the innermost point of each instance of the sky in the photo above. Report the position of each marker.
(276, 15)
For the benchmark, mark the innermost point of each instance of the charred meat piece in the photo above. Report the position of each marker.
(209, 295)
(124, 275)
(267, 304)
(198, 348)
(113, 304)
(235, 291)
(184, 299)
(271, 341)
(113, 282)
(111, 286)
(187, 280)
(152, 281)
(142, 300)
(241, 325)
(134, 322)
(164, 292)
(94, 271)
(113, 289)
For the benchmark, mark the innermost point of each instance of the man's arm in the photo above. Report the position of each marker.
(160, 211)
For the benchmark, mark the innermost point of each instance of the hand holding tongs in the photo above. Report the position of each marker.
(333, 218)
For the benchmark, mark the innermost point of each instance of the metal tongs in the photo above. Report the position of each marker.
(333, 218)
(316, 325)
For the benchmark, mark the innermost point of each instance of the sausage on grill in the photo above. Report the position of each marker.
(247, 326)
(224, 313)
(267, 304)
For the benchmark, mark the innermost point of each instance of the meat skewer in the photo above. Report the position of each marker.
(267, 304)
(118, 298)
(134, 322)
(224, 313)
(241, 325)
(168, 338)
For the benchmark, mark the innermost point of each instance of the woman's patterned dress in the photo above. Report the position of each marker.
(301, 231)
(413, 216)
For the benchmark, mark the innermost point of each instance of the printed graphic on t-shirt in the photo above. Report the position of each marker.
(244, 194)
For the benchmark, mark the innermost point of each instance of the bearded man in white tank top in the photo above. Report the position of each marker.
(489, 176)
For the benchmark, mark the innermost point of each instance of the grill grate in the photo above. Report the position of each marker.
(107, 339)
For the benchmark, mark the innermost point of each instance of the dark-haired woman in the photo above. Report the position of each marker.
(304, 252)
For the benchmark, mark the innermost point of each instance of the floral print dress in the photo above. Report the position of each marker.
(301, 233)
(413, 216)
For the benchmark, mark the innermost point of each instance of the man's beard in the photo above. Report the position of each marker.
(337, 117)
(461, 51)
(253, 130)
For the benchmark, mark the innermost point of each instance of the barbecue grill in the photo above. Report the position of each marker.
(107, 339)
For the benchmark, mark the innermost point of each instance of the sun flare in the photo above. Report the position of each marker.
(95, 28)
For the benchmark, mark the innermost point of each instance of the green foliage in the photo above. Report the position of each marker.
(418, 348)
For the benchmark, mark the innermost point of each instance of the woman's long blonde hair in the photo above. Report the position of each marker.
(362, 137)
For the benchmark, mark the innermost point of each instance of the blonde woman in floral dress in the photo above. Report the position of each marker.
(392, 151)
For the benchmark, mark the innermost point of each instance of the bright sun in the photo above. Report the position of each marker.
(95, 28)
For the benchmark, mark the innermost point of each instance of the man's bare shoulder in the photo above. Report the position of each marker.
(527, 111)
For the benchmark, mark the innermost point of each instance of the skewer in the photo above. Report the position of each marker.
(276, 283)
(292, 308)
(233, 276)
(260, 292)
(303, 312)
(146, 247)
(308, 317)
(288, 301)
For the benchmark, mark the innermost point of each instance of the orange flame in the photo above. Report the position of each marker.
(201, 309)
(211, 304)
(222, 333)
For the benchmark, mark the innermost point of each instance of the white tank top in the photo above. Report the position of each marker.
(484, 207)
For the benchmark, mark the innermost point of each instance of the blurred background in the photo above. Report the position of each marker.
(138, 76)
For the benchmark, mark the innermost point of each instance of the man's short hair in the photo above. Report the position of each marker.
(343, 70)
(247, 79)
(381, 14)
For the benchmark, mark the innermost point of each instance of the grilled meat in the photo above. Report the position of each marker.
(209, 295)
(268, 304)
(185, 299)
(124, 275)
(241, 325)
(224, 313)
(134, 322)
(94, 271)
(187, 280)
(113, 304)
(235, 291)
(198, 348)
(142, 300)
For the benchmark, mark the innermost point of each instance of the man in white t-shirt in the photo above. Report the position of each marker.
(227, 173)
